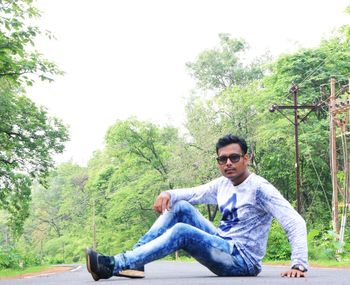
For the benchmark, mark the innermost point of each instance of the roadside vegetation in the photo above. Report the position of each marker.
(11, 272)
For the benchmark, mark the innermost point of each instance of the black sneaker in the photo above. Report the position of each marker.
(133, 273)
(100, 266)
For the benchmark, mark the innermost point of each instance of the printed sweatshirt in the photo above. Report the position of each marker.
(247, 211)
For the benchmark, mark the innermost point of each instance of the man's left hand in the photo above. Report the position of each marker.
(293, 273)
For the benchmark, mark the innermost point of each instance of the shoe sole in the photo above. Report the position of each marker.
(88, 266)
(130, 273)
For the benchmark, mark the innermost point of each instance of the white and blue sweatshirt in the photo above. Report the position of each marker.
(247, 211)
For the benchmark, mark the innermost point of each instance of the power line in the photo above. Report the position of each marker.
(331, 54)
(317, 174)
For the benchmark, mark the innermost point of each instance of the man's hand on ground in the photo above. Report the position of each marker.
(162, 202)
(293, 273)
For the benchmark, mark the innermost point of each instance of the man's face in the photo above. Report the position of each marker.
(235, 170)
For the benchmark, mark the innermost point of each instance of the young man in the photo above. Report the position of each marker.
(236, 248)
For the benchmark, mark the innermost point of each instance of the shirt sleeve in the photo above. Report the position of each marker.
(203, 194)
(271, 200)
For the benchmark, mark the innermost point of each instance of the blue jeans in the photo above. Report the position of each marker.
(183, 227)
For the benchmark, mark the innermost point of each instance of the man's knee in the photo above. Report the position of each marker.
(180, 229)
(182, 206)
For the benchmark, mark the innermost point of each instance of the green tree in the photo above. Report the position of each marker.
(144, 142)
(56, 228)
(28, 136)
(124, 180)
(18, 57)
(225, 66)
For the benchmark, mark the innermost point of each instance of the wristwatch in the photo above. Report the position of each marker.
(299, 267)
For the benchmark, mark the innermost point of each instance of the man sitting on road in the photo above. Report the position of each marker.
(236, 248)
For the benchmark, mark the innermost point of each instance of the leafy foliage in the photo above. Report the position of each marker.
(18, 58)
(145, 142)
(28, 140)
(325, 244)
(28, 136)
(11, 257)
(224, 67)
(278, 247)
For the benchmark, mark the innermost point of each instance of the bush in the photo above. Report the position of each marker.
(10, 258)
(31, 259)
(326, 245)
(323, 244)
(66, 249)
(278, 247)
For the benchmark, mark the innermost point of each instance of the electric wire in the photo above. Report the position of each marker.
(317, 174)
(330, 55)
(313, 71)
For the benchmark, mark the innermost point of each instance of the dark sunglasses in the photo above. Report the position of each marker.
(234, 157)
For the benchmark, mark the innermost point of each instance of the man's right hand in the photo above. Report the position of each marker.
(162, 202)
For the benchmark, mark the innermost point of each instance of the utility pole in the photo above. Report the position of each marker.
(334, 110)
(294, 90)
(333, 150)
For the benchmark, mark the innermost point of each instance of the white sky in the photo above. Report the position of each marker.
(127, 58)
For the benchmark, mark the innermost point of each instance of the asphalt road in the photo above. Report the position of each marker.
(178, 273)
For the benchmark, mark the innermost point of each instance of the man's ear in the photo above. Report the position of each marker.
(246, 158)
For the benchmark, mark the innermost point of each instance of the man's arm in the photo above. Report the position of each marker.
(294, 225)
(203, 194)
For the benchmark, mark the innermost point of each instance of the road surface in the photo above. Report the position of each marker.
(189, 273)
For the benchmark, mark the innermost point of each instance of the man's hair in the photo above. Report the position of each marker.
(229, 139)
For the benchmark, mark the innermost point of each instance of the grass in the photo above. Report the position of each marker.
(5, 273)
(312, 263)
(330, 263)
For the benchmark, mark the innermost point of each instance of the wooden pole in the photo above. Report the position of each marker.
(294, 90)
(333, 151)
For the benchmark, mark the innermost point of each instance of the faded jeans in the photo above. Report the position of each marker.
(183, 227)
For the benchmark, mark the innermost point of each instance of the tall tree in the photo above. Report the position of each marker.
(18, 57)
(28, 136)
(225, 66)
(145, 142)
(57, 213)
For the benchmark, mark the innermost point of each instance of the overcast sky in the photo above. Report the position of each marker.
(127, 58)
